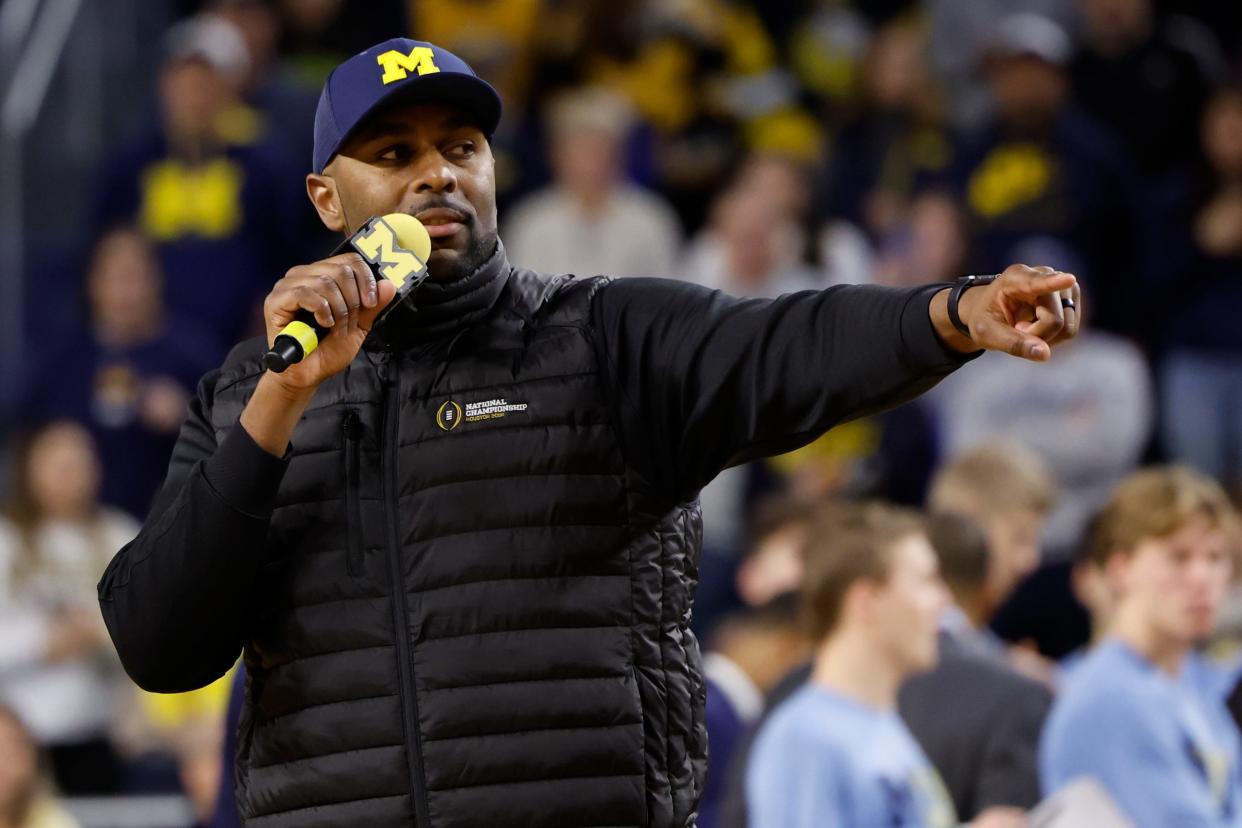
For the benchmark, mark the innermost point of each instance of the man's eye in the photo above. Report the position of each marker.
(463, 150)
(394, 153)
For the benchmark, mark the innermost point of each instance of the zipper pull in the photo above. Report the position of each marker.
(352, 425)
(382, 366)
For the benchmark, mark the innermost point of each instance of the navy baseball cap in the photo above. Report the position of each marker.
(397, 69)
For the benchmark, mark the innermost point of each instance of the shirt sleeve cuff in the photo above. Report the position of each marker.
(244, 474)
(925, 350)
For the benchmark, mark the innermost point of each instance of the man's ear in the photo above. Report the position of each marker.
(1117, 572)
(327, 201)
(858, 603)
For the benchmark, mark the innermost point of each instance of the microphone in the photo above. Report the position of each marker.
(395, 247)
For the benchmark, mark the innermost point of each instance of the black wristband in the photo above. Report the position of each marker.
(963, 284)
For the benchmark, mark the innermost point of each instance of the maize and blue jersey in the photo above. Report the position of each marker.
(1164, 747)
(823, 759)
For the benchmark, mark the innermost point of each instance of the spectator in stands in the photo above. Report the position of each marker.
(1092, 589)
(1007, 491)
(752, 650)
(772, 565)
(58, 669)
(928, 244)
(591, 220)
(1202, 371)
(198, 745)
(961, 34)
(281, 96)
(1135, 78)
(835, 752)
(751, 555)
(755, 243)
(1041, 168)
(751, 248)
(316, 35)
(206, 186)
(895, 142)
(1132, 714)
(168, 742)
(25, 797)
(128, 374)
(975, 717)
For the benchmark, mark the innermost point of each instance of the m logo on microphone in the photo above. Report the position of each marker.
(397, 65)
(379, 247)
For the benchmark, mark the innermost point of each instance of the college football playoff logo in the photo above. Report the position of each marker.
(448, 415)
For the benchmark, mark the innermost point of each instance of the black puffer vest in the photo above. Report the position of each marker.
(472, 612)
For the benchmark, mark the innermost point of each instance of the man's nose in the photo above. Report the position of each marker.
(433, 174)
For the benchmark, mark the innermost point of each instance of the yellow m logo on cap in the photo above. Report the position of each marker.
(380, 248)
(397, 64)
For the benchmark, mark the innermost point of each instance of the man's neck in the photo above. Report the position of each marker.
(970, 602)
(1136, 631)
(851, 664)
(590, 200)
(123, 335)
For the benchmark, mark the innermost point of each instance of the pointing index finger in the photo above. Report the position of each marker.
(1034, 284)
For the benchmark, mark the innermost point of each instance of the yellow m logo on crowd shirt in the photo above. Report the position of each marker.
(181, 199)
(381, 249)
(1011, 176)
(398, 64)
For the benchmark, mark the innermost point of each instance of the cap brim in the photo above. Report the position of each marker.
(472, 95)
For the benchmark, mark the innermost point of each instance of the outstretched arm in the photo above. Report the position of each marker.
(701, 380)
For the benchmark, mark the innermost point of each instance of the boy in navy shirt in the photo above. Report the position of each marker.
(1132, 715)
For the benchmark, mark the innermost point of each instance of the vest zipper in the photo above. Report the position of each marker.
(353, 497)
(409, 699)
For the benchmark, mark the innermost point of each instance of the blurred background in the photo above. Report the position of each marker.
(152, 158)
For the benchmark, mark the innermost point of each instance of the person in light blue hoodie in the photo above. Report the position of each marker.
(835, 753)
(1134, 713)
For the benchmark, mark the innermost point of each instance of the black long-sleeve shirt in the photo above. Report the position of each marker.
(697, 381)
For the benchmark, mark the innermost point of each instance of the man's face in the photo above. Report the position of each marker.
(907, 607)
(192, 96)
(774, 567)
(1029, 92)
(1176, 583)
(1013, 550)
(427, 160)
(124, 283)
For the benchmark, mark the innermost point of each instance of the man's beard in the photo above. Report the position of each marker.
(478, 250)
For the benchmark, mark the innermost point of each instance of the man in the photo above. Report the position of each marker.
(835, 753)
(976, 718)
(205, 184)
(1134, 713)
(128, 372)
(752, 650)
(591, 219)
(483, 619)
(1043, 169)
(1006, 490)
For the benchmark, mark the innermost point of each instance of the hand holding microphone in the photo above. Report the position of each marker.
(318, 315)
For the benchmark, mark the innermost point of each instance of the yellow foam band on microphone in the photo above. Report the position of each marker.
(304, 334)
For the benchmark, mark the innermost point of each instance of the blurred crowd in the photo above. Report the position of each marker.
(757, 148)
